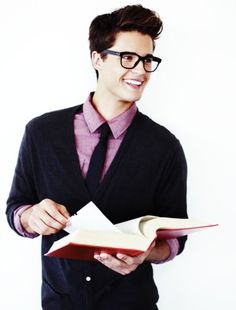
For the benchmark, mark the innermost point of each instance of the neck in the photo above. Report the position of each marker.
(108, 107)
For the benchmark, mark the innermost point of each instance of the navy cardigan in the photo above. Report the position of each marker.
(147, 176)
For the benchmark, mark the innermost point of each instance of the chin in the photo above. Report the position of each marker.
(132, 97)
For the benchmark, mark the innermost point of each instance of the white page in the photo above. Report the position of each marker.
(133, 226)
(90, 218)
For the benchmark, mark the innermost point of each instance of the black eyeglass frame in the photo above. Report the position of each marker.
(140, 58)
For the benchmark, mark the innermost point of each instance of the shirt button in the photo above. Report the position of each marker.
(88, 278)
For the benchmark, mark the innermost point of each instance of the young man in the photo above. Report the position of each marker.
(144, 171)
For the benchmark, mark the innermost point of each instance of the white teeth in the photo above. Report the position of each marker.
(133, 82)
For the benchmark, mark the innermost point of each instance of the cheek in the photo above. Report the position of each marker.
(148, 76)
(116, 75)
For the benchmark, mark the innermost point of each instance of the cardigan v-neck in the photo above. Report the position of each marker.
(70, 147)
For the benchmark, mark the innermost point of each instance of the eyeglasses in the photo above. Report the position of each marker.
(130, 60)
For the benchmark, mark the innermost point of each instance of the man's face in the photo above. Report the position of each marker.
(118, 83)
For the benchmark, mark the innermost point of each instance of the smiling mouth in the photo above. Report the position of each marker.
(134, 83)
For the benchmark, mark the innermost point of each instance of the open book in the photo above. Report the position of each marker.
(91, 232)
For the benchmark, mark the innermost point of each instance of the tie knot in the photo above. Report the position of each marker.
(105, 132)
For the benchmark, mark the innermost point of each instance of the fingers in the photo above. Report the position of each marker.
(131, 260)
(48, 217)
(122, 263)
(124, 266)
(53, 213)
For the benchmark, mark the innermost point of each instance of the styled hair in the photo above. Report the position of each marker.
(104, 28)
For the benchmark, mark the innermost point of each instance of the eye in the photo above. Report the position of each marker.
(148, 60)
(128, 57)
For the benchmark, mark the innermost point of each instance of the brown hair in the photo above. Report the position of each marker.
(104, 28)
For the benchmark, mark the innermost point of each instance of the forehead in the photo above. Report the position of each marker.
(133, 41)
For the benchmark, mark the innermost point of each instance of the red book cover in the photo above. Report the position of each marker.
(91, 232)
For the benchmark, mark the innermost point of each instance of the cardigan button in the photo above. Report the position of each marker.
(88, 279)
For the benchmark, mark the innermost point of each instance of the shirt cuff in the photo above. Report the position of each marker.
(174, 249)
(17, 222)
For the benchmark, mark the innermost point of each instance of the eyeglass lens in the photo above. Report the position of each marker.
(129, 61)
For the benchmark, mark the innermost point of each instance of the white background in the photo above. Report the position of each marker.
(45, 65)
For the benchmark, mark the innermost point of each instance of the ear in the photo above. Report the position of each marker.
(97, 61)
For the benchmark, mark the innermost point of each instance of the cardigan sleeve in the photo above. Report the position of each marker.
(172, 190)
(22, 189)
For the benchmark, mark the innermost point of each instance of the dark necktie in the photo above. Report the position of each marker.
(97, 160)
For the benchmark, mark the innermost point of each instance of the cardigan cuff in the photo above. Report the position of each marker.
(17, 222)
(174, 249)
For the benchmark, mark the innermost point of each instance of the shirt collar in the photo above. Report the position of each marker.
(118, 124)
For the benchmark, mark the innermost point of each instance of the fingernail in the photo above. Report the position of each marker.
(103, 255)
(120, 256)
(68, 224)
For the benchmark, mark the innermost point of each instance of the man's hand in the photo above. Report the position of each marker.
(45, 218)
(122, 263)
